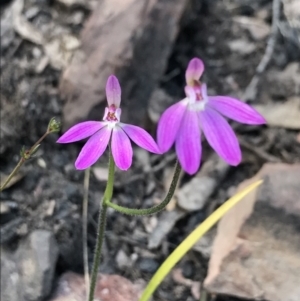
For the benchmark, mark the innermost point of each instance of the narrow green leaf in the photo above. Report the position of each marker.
(187, 244)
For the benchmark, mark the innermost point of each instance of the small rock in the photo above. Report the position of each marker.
(165, 224)
(194, 195)
(122, 260)
(30, 269)
(148, 265)
(241, 46)
(10, 280)
(36, 258)
(101, 173)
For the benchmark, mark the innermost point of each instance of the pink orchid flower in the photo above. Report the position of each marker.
(110, 129)
(184, 121)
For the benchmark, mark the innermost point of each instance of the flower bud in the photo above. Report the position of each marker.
(53, 126)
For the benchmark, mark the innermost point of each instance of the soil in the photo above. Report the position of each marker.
(29, 100)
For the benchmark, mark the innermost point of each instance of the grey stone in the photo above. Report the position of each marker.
(27, 274)
(10, 279)
(165, 224)
(37, 257)
(194, 195)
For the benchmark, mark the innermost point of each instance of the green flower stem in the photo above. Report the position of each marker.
(102, 225)
(22, 160)
(154, 209)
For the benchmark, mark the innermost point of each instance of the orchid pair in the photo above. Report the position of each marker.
(182, 124)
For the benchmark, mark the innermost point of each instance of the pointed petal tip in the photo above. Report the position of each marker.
(194, 70)
(80, 131)
(220, 136)
(236, 110)
(78, 166)
(141, 137)
(81, 164)
(93, 149)
(191, 171)
(113, 91)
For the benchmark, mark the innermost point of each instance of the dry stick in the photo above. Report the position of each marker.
(22, 160)
(86, 185)
(251, 90)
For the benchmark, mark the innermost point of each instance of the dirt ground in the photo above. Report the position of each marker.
(29, 98)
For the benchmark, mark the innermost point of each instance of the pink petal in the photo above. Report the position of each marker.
(220, 136)
(141, 138)
(188, 143)
(235, 109)
(194, 71)
(113, 91)
(93, 149)
(121, 148)
(80, 131)
(168, 125)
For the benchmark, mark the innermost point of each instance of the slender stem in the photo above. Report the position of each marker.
(39, 141)
(22, 161)
(85, 227)
(111, 178)
(102, 225)
(98, 248)
(156, 208)
(15, 170)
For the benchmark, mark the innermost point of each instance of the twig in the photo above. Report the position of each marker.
(259, 152)
(86, 185)
(53, 126)
(24, 157)
(251, 90)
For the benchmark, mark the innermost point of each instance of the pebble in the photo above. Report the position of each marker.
(148, 265)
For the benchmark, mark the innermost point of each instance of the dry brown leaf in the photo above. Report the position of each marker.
(258, 243)
(286, 115)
